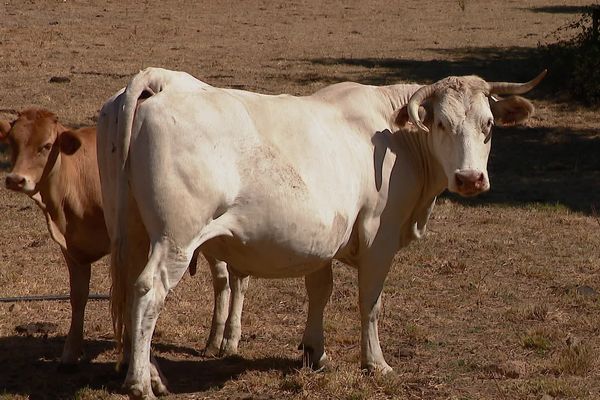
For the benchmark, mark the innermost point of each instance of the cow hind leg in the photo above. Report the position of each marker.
(166, 265)
(233, 326)
(220, 281)
(79, 282)
(319, 285)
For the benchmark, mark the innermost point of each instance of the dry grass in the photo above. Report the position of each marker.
(577, 358)
(479, 309)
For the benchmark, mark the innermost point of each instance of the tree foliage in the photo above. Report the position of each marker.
(574, 59)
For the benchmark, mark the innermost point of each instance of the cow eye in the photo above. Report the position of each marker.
(45, 147)
(440, 126)
(487, 138)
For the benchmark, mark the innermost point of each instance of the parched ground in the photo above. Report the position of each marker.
(499, 301)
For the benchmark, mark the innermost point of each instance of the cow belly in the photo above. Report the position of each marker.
(263, 259)
(278, 245)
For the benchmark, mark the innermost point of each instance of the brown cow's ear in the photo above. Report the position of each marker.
(69, 142)
(511, 110)
(4, 129)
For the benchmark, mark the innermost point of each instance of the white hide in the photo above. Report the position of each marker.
(276, 186)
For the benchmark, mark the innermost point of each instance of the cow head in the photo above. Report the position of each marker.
(459, 113)
(36, 140)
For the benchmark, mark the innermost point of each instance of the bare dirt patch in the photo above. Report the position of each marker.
(483, 308)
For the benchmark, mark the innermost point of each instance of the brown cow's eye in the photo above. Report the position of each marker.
(440, 125)
(45, 147)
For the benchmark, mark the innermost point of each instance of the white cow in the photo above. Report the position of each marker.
(279, 186)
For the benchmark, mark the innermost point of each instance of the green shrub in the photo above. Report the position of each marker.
(574, 62)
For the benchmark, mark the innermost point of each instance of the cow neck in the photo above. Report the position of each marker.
(417, 144)
(432, 179)
(399, 95)
(52, 193)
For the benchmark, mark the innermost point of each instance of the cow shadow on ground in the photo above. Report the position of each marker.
(560, 9)
(34, 368)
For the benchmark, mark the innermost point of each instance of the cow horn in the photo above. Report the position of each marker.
(516, 88)
(415, 102)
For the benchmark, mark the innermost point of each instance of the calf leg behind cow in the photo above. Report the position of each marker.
(221, 289)
(226, 326)
(79, 282)
(319, 285)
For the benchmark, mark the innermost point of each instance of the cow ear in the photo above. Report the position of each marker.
(69, 142)
(4, 129)
(401, 119)
(511, 110)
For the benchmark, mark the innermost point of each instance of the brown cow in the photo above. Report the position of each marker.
(56, 166)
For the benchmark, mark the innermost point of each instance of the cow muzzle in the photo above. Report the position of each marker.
(470, 182)
(18, 183)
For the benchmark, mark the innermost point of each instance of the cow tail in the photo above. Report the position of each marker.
(141, 87)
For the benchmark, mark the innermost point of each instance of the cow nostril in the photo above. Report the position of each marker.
(468, 180)
(459, 181)
(13, 181)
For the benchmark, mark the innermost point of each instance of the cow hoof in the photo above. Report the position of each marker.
(137, 392)
(68, 368)
(159, 388)
(211, 351)
(382, 369)
(314, 361)
(157, 380)
(229, 347)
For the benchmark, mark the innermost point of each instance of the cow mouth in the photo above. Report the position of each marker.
(470, 191)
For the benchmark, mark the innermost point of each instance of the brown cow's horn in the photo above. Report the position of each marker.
(516, 88)
(415, 102)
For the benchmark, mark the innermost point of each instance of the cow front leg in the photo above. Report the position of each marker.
(79, 283)
(369, 293)
(221, 290)
(319, 285)
(233, 326)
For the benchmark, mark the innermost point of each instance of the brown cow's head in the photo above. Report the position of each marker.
(36, 140)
